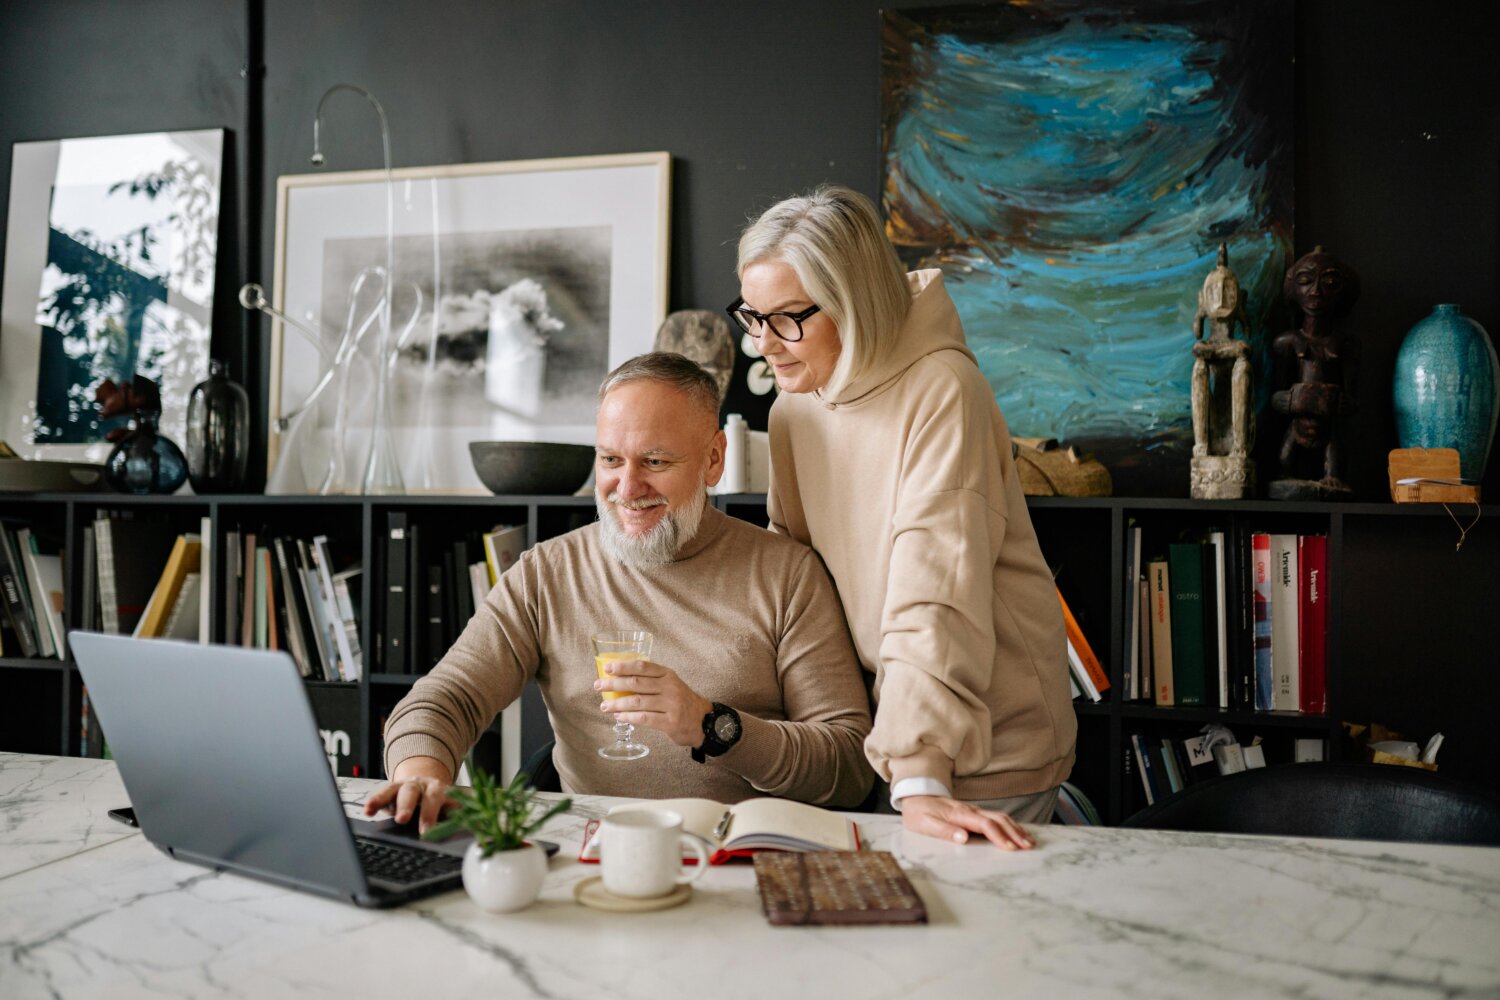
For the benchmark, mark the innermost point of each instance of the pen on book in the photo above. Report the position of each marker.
(721, 829)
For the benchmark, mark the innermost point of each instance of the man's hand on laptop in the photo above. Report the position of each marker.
(419, 787)
(654, 696)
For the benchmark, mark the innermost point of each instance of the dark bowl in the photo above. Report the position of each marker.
(532, 468)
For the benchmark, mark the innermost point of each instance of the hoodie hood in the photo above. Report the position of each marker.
(932, 325)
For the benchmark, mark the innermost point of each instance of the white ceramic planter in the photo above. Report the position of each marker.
(506, 880)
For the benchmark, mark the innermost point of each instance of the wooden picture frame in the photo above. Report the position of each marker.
(546, 275)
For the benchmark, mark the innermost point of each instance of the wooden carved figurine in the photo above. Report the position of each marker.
(1315, 369)
(1222, 430)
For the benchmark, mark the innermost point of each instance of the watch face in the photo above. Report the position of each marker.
(726, 728)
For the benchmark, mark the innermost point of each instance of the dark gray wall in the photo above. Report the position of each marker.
(1398, 121)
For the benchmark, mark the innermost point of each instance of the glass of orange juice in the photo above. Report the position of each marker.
(621, 644)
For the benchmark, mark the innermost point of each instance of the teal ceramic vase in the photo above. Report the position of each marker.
(1445, 388)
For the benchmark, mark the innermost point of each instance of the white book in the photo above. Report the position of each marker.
(1081, 673)
(26, 567)
(1221, 615)
(206, 563)
(48, 635)
(479, 581)
(502, 547)
(1286, 671)
(104, 550)
(184, 621)
(510, 740)
(348, 668)
(344, 601)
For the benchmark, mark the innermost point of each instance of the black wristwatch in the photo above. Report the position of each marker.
(721, 730)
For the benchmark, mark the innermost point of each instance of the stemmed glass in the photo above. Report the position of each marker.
(609, 647)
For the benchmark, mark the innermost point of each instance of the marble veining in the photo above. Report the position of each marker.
(34, 830)
(1090, 913)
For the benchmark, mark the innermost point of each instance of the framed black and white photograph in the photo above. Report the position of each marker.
(517, 287)
(110, 254)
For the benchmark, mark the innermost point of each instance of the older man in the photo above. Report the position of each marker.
(752, 688)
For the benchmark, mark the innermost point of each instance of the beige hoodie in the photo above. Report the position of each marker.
(905, 485)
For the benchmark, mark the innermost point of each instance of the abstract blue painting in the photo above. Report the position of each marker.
(1072, 168)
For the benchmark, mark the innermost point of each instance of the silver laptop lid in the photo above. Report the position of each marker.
(221, 757)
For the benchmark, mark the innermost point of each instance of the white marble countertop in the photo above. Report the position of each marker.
(89, 908)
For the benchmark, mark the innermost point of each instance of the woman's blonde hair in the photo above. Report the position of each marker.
(833, 241)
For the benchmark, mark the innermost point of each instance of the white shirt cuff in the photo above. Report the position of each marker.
(917, 786)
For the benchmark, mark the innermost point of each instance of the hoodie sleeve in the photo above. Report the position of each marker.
(937, 645)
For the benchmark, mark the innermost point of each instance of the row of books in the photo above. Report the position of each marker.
(431, 588)
(283, 592)
(1167, 766)
(1235, 619)
(31, 592)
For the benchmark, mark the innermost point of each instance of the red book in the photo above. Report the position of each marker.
(1312, 592)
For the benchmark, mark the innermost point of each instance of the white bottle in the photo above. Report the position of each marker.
(735, 456)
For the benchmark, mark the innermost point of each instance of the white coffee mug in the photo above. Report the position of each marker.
(641, 853)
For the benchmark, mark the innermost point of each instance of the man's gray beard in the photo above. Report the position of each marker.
(656, 547)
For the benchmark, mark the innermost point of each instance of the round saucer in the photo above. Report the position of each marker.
(591, 892)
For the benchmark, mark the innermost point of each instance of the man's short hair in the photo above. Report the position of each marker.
(673, 370)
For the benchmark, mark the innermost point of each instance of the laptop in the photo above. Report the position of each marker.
(224, 766)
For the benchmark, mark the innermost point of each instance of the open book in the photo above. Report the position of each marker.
(742, 829)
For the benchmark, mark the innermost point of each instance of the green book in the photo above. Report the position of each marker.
(1189, 673)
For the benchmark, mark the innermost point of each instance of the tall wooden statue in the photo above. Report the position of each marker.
(1222, 428)
(1315, 370)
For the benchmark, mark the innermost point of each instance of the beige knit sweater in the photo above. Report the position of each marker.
(744, 616)
(905, 485)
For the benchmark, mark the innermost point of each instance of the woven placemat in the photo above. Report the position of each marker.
(836, 887)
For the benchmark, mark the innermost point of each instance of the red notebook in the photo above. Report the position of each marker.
(738, 831)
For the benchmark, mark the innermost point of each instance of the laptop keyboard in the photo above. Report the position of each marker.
(404, 865)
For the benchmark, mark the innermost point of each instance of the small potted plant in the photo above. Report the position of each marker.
(502, 871)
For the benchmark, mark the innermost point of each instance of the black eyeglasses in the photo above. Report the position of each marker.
(786, 325)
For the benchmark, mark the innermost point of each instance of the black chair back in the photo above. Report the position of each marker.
(1345, 800)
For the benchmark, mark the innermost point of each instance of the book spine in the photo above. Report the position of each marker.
(295, 631)
(1144, 689)
(1265, 681)
(47, 641)
(1161, 632)
(1130, 683)
(338, 638)
(1098, 679)
(12, 583)
(207, 565)
(416, 589)
(89, 582)
(436, 637)
(1145, 766)
(1217, 571)
(1284, 632)
(394, 655)
(307, 581)
(260, 631)
(109, 602)
(350, 622)
(1242, 632)
(1312, 619)
(231, 633)
(1080, 674)
(1185, 571)
(248, 592)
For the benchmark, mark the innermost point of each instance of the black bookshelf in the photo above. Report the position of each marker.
(1411, 643)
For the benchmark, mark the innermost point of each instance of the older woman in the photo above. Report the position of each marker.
(890, 457)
